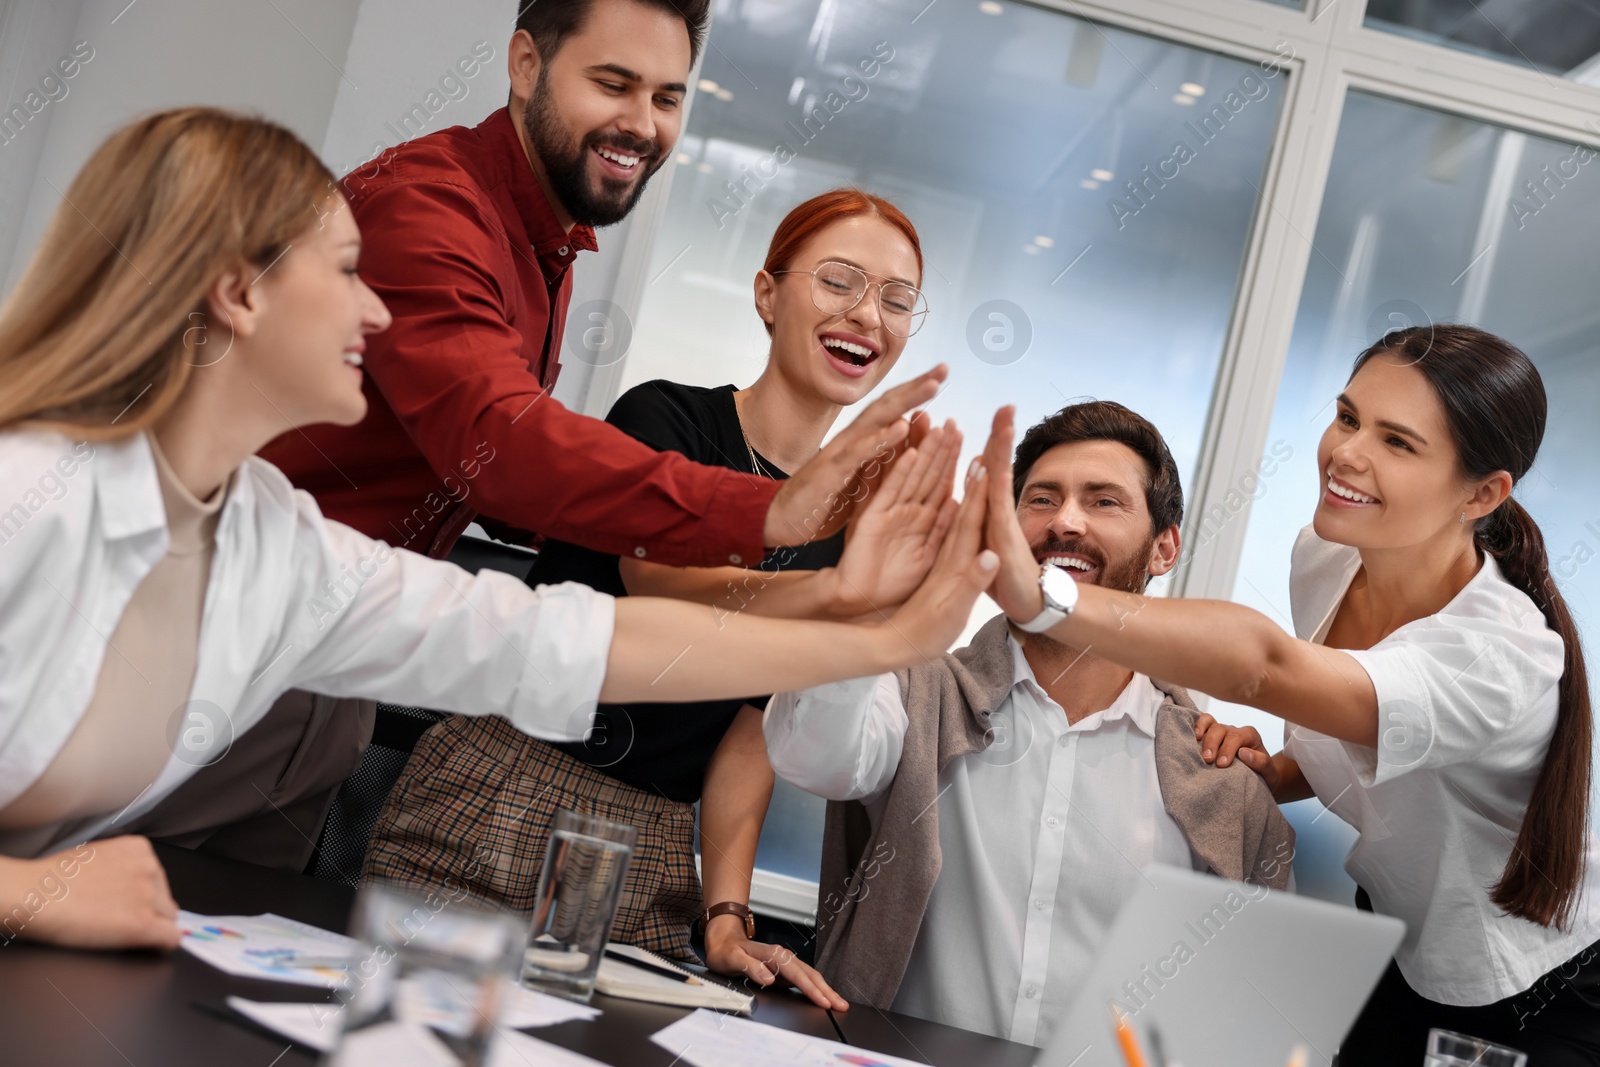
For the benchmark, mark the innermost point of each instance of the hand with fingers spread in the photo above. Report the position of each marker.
(819, 498)
(937, 612)
(1016, 584)
(729, 952)
(894, 540)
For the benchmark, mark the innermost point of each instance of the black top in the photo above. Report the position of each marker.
(665, 748)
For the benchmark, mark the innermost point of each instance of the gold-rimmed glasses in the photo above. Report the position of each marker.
(837, 287)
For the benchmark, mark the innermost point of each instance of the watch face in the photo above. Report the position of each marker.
(1059, 588)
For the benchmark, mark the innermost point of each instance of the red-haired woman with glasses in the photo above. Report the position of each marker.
(838, 295)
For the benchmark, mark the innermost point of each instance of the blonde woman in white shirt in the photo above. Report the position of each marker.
(195, 297)
(1436, 696)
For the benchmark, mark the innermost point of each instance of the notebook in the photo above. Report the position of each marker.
(618, 979)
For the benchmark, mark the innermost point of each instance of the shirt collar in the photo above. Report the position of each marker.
(128, 488)
(533, 207)
(1138, 702)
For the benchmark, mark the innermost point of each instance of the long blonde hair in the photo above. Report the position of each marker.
(98, 338)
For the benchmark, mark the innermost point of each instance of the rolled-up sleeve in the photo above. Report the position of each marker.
(1452, 690)
(841, 741)
(391, 625)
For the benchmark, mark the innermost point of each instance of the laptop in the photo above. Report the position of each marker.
(1224, 974)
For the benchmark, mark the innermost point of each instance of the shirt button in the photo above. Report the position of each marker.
(1029, 992)
(736, 559)
(1066, 740)
(564, 250)
(639, 552)
(1052, 822)
(1039, 903)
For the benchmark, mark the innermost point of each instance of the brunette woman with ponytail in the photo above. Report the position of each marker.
(1437, 694)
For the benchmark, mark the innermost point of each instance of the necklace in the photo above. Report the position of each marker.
(756, 466)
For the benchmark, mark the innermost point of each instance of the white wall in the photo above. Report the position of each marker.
(280, 59)
(34, 37)
(400, 52)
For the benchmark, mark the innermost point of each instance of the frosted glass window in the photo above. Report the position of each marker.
(1558, 36)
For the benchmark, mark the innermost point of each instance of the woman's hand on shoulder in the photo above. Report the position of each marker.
(1222, 744)
(729, 952)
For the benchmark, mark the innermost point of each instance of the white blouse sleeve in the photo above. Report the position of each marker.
(841, 741)
(388, 624)
(1453, 688)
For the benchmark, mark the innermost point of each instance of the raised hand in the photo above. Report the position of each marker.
(1016, 584)
(819, 498)
(895, 539)
(936, 613)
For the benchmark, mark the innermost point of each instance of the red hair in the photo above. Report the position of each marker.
(816, 214)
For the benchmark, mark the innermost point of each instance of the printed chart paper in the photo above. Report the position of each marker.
(268, 946)
(708, 1039)
(317, 1026)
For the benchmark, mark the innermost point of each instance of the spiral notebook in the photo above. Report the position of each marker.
(619, 979)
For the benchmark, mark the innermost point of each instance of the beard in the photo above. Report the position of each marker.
(1129, 574)
(566, 162)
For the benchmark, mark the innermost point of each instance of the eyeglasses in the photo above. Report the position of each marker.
(837, 287)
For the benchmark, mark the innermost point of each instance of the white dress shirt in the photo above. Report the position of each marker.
(1043, 837)
(293, 601)
(1466, 705)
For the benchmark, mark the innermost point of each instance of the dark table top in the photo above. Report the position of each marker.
(137, 1009)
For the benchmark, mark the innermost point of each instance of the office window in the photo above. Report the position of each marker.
(1428, 217)
(1549, 35)
(1084, 197)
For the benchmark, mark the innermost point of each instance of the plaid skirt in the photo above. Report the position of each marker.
(472, 812)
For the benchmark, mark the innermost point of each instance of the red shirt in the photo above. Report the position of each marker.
(461, 244)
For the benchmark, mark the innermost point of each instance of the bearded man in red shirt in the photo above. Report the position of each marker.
(469, 235)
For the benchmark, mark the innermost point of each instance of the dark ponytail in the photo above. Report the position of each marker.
(1495, 404)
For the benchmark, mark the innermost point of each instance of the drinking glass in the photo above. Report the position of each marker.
(1448, 1049)
(585, 864)
(431, 976)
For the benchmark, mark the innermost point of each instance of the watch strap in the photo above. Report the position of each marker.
(1055, 608)
(732, 907)
(1042, 621)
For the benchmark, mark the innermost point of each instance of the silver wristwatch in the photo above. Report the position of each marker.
(1060, 597)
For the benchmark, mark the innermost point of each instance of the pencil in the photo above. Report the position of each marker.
(1127, 1040)
(665, 972)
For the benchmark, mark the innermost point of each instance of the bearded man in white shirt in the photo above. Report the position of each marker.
(990, 810)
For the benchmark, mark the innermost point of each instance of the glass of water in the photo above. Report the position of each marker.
(585, 864)
(429, 980)
(1447, 1049)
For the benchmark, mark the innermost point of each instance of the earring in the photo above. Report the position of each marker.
(1463, 520)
